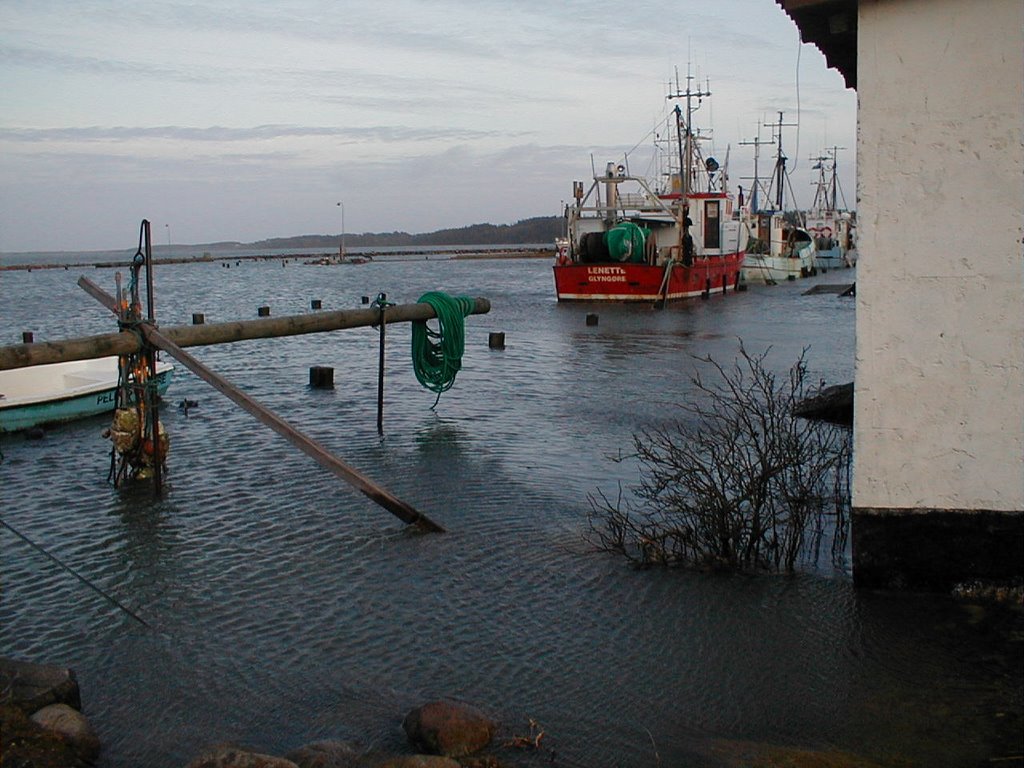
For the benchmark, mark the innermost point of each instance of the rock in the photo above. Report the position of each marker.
(24, 743)
(327, 754)
(73, 726)
(833, 404)
(226, 756)
(33, 686)
(447, 728)
(420, 761)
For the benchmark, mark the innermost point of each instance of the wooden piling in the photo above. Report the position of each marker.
(263, 311)
(591, 319)
(496, 340)
(27, 337)
(315, 304)
(321, 377)
(198, 318)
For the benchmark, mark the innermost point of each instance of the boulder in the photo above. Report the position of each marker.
(33, 686)
(420, 761)
(24, 743)
(327, 754)
(73, 726)
(226, 756)
(448, 728)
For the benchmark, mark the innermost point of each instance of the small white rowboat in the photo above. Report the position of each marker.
(48, 394)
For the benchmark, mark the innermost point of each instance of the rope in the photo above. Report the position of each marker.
(437, 355)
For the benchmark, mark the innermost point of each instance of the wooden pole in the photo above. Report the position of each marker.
(307, 445)
(125, 342)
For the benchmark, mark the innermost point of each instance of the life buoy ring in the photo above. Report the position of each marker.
(563, 257)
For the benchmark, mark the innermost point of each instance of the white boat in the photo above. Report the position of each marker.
(780, 246)
(59, 392)
(831, 227)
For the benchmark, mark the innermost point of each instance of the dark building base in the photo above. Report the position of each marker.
(933, 550)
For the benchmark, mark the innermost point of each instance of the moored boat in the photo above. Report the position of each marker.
(48, 394)
(831, 227)
(780, 246)
(650, 241)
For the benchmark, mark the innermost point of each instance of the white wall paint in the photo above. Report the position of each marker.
(939, 419)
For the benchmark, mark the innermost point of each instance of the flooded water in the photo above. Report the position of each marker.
(284, 607)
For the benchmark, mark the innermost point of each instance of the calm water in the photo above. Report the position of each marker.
(287, 608)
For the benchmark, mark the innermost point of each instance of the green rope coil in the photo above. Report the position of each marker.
(437, 355)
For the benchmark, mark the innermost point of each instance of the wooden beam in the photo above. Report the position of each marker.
(125, 342)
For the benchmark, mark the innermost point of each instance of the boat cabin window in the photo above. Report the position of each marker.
(712, 224)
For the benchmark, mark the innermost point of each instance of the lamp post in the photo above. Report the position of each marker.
(342, 251)
(168, 228)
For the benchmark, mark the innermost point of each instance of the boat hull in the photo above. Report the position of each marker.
(62, 392)
(646, 282)
(765, 268)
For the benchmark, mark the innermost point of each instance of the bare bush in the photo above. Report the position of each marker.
(738, 482)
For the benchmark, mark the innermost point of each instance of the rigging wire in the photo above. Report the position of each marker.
(74, 573)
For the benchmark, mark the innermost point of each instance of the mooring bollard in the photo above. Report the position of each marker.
(591, 319)
(315, 304)
(321, 377)
(263, 311)
(496, 340)
(26, 337)
(198, 318)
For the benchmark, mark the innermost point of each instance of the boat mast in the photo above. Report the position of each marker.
(685, 131)
(755, 188)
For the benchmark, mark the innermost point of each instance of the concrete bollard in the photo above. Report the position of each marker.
(496, 340)
(315, 304)
(321, 377)
(263, 311)
(591, 319)
(26, 337)
(198, 318)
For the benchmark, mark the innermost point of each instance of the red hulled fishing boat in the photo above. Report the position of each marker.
(630, 239)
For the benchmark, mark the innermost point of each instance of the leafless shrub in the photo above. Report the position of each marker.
(738, 482)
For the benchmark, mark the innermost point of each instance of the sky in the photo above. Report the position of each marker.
(227, 120)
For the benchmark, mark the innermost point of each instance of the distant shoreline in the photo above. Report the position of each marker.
(462, 254)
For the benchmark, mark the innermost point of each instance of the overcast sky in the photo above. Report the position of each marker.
(241, 120)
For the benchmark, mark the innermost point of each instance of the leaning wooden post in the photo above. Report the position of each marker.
(403, 511)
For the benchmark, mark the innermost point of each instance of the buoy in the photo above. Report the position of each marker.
(496, 340)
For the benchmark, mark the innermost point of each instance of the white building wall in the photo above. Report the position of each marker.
(939, 402)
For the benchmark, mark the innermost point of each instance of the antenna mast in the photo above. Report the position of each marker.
(685, 129)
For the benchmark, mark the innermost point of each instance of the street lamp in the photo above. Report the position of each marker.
(342, 251)
(168, 228)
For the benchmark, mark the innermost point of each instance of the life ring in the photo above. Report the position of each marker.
(563, 256)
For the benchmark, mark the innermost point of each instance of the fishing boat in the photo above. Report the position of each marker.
(674, 237)
(831, 227)
(48, 394)
(780, 246)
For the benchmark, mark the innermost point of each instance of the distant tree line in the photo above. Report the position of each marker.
(541, 229)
